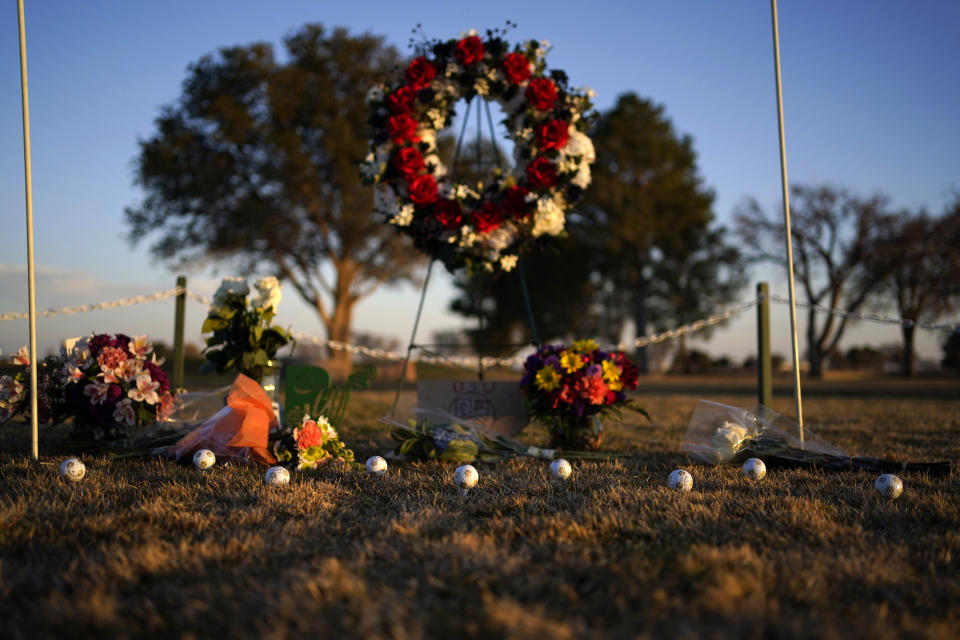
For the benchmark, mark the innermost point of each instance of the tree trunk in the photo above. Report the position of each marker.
(683, 355)
(906, 358)
(640, 321)
(813, 348)
(338, 329)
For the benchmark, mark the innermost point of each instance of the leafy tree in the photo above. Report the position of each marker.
(640, 247)
(694, 272)
(917, 257)
(833, 232)
(646, 195)
(257, 163)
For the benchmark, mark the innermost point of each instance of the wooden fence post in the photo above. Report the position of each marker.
(764, 359)
(178, 322)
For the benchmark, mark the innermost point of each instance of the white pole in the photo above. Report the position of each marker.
(31, 293)
(786, 223)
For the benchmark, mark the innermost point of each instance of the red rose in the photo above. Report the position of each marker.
(403, 128)
(408, 161)
(516, 67)
(541, 173)
(447, 213)
(516, 203)
(553, 134)
(309, 435)
(420, 73)
(487, 218)
(401, 100)
(423, 189)
(469, 51)
(542, 93)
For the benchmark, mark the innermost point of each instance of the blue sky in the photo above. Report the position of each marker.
(870, 100)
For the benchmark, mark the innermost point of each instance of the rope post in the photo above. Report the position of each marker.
(178, 322)
(764, 358)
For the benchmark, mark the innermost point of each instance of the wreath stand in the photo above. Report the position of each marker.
(479, 344)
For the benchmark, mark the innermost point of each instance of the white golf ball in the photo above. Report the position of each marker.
(376, 465)
(754, 469)
(680, 480)
(466, 477)
(276, 476)
(889, 485)
(560, 469)
(204, 459)
(72, 469)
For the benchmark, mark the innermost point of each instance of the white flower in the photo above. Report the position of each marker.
(579, 144)
(268, 294)
(508, 262)
(140, 346)
(728, 439)
(548, 219)
(429, 138)
(437, 118)
(404, 216)
(583, 177)
(229, 288)
(123, 412)
(10, 389)
(481, 86)
(145, 391)
(500, 238)
(97, 392)
(375, 94)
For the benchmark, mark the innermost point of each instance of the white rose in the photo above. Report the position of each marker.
(583, 177)
(728, 439)
(230, 287)
(579, 144)
(548, 219)
(268, 294)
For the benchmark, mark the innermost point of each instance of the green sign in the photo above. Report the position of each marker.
(305, 387)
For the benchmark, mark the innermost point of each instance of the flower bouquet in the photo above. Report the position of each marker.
(311, 445)
(720, 434)
(105, 382)
(570, 388)
(243, 338)
(438, 435)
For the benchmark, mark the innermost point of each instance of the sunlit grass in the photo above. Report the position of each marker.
(147, 547)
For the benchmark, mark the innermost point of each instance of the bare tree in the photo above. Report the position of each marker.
(833, 232)
(917, 257)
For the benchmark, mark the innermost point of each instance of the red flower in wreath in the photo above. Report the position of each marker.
(403, 129)
(553, 134)
(541, 174)
(542, 93)
(469, 51)
(420, 73)
(447, 213)
(487, 218)
(408, 161)
(423, 190)
(401, 100)
(516, 67)
(516, 203)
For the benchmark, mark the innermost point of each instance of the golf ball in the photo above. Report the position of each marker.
(680, 480)
(754, 469)
(376, 465)
(466, 477)
(204, 459)
(889, 485)
(560, 469)
(72, 469)
(276, 476)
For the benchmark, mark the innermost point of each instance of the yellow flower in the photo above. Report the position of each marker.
(571, 361)
(611, 375)
(548, 379)
(584, 346)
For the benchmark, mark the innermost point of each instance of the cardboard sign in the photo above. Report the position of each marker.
(304, 387)
(497, 405)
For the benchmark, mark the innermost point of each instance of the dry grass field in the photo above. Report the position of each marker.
(147, 548)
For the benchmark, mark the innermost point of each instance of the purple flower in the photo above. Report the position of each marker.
(159, 376)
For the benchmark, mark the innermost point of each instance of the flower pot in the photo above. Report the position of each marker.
(572, 433)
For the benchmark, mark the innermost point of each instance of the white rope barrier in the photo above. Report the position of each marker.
(472, 362)
(871, 317)
(110, 304)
